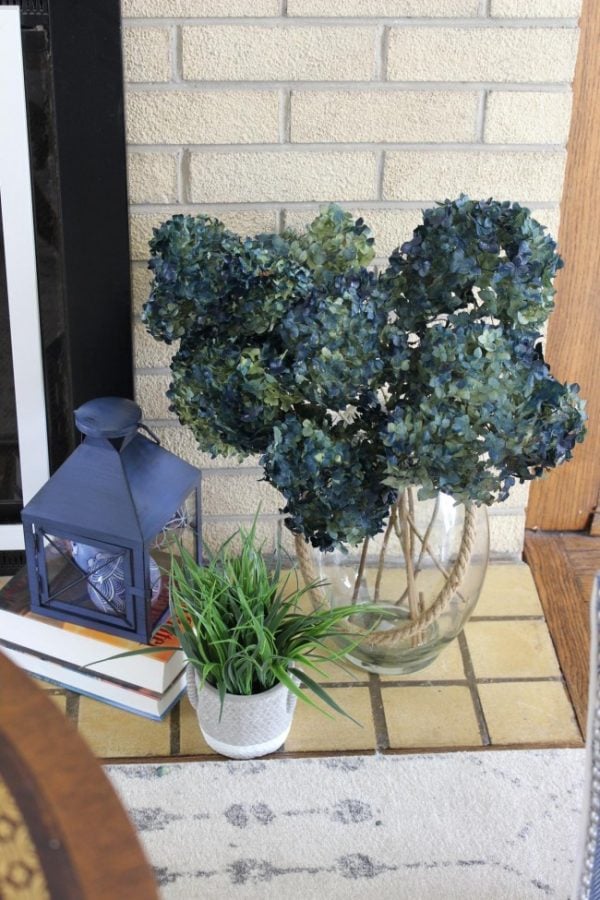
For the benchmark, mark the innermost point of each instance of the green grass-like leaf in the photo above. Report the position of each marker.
(239, 624)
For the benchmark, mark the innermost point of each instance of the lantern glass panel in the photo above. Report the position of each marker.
(93, 579)
(180, 530)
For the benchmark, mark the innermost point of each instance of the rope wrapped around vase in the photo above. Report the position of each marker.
(421, 619)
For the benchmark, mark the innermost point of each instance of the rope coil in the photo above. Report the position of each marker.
(400, 633)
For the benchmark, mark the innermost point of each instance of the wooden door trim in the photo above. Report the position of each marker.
(566, 499)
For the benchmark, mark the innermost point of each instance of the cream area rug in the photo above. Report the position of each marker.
(496, 825)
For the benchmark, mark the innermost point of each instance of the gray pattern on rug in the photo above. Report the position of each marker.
(500, 825)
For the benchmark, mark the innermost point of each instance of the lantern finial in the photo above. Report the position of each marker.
(108, 417)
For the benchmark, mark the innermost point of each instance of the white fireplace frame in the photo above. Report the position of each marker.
(21, 272)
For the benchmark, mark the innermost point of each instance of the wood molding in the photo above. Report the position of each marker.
(566, 498)
(556, 561)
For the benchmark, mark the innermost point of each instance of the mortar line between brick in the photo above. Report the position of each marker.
(380, 73)
(475, 22)
(283, 8)
(155, 371)
(285, 115)
(274, 206)
(241, 517)
(379, 176)
(320, 85)
(350, 147)
(281, 115)
(481, 114)
(250, 471)
(385, 49)
(485, 8)
(176, 49)
(183, 176)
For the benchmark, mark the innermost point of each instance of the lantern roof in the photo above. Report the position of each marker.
(113, 496)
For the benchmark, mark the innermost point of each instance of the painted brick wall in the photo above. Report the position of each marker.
(257, 110)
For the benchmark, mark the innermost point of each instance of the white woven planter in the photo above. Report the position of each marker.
(250, 726)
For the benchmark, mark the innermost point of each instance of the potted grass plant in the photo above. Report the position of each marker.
(251, 650)
(389, 409)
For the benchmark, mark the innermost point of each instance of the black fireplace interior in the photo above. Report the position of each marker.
(74, 94)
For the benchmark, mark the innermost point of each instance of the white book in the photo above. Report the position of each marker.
(137, 700)
(80, 646)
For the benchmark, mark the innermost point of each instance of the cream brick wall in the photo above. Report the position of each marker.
(413, 174)
(147, 54)
(383, 116)
(481, 54)
(254, 53)
(265, 176)
(195, 117)
(257, 110)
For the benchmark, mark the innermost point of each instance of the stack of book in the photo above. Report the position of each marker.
(67, 655)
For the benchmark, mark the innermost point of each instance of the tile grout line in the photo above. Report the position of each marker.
(424, 683)
(175, 730)
(382, 738)
(523, 679)
(72, 708)
(472, 684)
(327, 754)
(530, 618)
(453, 682)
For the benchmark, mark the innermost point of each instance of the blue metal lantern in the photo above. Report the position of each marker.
(99, 534)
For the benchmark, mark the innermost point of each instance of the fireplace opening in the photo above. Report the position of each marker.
(71, 69)
(11, 493)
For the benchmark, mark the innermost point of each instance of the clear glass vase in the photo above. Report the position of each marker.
(425, 572)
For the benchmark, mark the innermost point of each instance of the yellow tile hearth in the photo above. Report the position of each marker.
(191, 741)
(112, 732)
(447, 667)
(430, 717)
(312, 730)
(511, 649)
(499, 684)
(529, 712)
(509, 590)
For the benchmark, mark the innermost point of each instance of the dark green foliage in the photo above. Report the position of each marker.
(351, 385)
(495, 250)
(330, 477)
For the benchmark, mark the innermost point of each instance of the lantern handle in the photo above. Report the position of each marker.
(151, 433)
